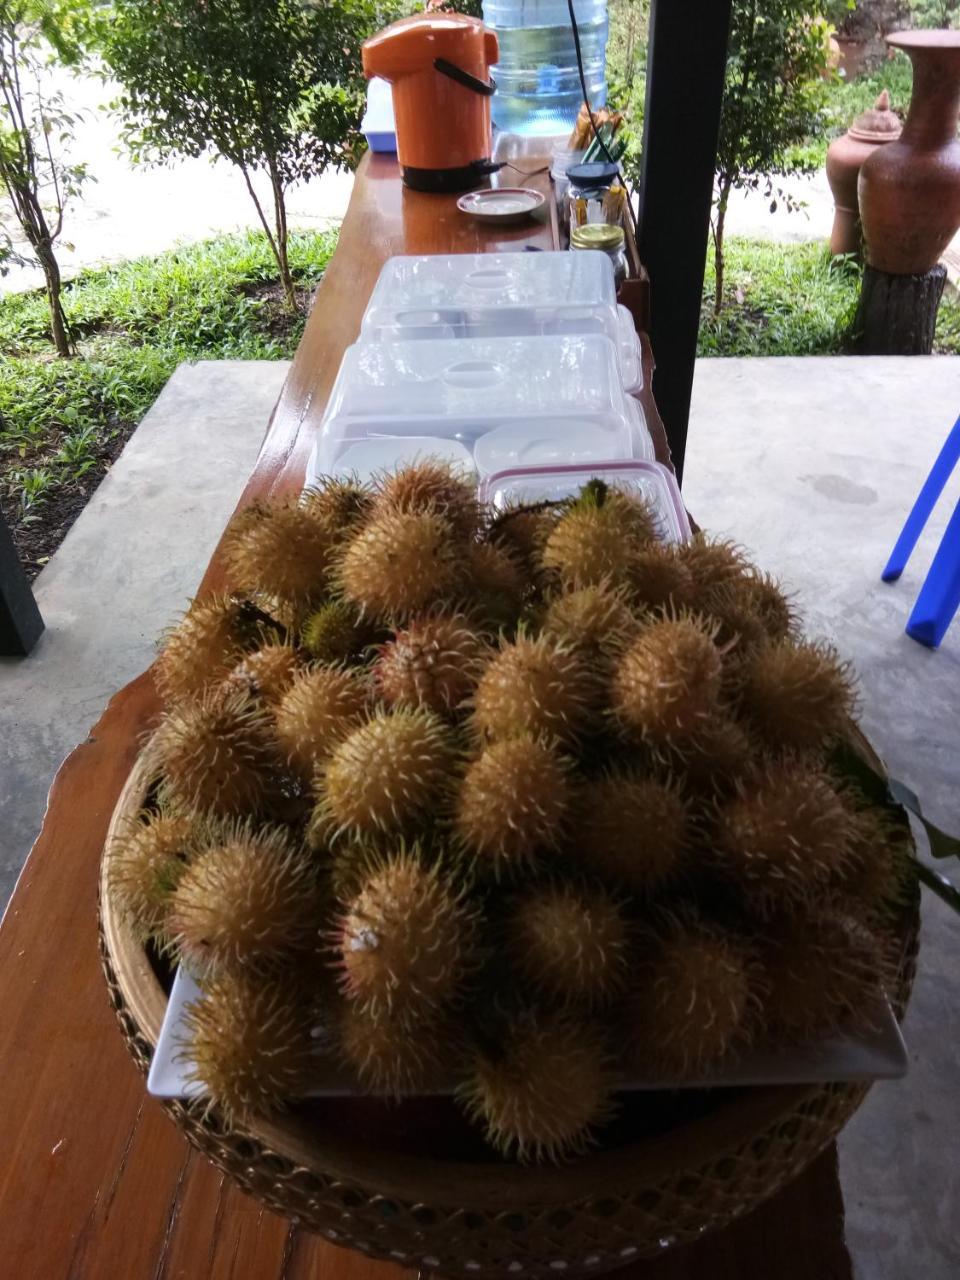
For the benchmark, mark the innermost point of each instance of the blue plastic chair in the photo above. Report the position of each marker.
(939, 596)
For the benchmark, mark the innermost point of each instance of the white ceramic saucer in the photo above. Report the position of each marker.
(501, 204)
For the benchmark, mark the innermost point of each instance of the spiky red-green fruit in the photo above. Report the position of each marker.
(266, 673)
(209, 640)
(397, 1056)
(145, 861)
(434, 662)
(631, 828)
(319, 710)
(545, 1090)
(570, 942)
(826, 974)
(339, 504)
(514, 803)
(783, 838)
(667, 684)
(595, 621)
(659, 578)
(335, 632)
(522, 531)
(250, 898)
(401, 562)
(798, 695)
(280, 549)
(713, 562)
(880, 869)
(494, 582)
(407, 941)
(596, 540)
(217, 755)
(695, 1000)
(535, 685)
(432, 486)
(752, 609)
(249, 1044)
(721, 751)
(390, 774)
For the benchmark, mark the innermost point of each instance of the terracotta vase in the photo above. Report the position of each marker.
(872, 129)
(910, 190)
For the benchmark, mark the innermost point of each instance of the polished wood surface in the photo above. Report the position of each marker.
(96, 1182)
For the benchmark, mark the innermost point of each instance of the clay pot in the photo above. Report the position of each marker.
(910, 190)
(872, 129)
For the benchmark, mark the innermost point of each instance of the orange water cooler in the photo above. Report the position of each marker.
(439, 68)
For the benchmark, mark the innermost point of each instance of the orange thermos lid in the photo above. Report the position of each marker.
(438, 65)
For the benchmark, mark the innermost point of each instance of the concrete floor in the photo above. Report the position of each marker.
(811, 463)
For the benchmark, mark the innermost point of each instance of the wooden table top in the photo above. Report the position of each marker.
(96, 1181)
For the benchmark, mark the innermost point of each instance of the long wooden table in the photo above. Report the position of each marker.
(96, 1181)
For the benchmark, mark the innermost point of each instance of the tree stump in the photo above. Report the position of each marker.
(897, 315)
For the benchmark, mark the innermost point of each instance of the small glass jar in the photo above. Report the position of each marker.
(609, 239)
(594, 189)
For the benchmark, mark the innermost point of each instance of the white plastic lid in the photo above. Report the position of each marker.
(502, 295)
(378, 117)
(527, 390)
(366, 459)
(651, 480)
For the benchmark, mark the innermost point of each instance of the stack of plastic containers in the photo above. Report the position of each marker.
(517, 367)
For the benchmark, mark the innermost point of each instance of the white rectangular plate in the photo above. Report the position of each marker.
(879, 1055)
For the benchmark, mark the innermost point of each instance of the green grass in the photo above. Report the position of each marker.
(134, 323)
(791, 300)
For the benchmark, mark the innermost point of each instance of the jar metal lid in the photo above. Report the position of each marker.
(597, 235)
(595, 174)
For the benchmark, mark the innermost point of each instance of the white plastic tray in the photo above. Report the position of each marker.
(502, 295)
(549, 399)
(879, 1055)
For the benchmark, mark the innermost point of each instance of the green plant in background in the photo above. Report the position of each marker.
(273, 86)
(935, 13)
(626, 73)
(35, 130)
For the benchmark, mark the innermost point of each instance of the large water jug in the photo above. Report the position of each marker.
(538, 86)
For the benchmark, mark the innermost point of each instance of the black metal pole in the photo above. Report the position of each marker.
(686, 62)
(20, 621)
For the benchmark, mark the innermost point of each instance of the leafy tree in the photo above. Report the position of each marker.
(273, 86)
(35, 129)
(773, 99)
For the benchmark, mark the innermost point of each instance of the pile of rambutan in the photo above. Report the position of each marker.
(528, 805)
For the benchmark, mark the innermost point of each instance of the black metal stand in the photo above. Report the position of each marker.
(20, 621)
(686, 64)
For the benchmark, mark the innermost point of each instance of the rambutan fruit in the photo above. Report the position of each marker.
(401, 562)
(336, 633)
(340, 505)
(597, 538)
(523, 532)
(695, 1001)
(720, 751)
(826, 974)
(319, 710)
(209, 640)
(280, 549)
(266, 673)
(631, 828)
(434, 662)
(667, 684)
(407, 942)
(713, 562)
(217, 755)
(145, 861)
(248, 899)
(494, 583)
(535, 685)
(569, 942)
(783, 838)
(659, 578)
(436, 487)
(595, 621)
(391, 773)
(544, 1090)
(395, 1056)
(880, 868)
(249, 1041)
(798, 695)
(514, 802)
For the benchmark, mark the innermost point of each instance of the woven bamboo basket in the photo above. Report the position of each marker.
(381, 1179)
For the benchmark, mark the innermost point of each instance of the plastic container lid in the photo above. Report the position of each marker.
(651, 480)
(473, 295)
(367, 459)
(597, 235)
(594, 174)
(544, 397)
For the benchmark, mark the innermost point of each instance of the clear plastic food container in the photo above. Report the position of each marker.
(651, 480)
(495, 402)
(502, 295)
